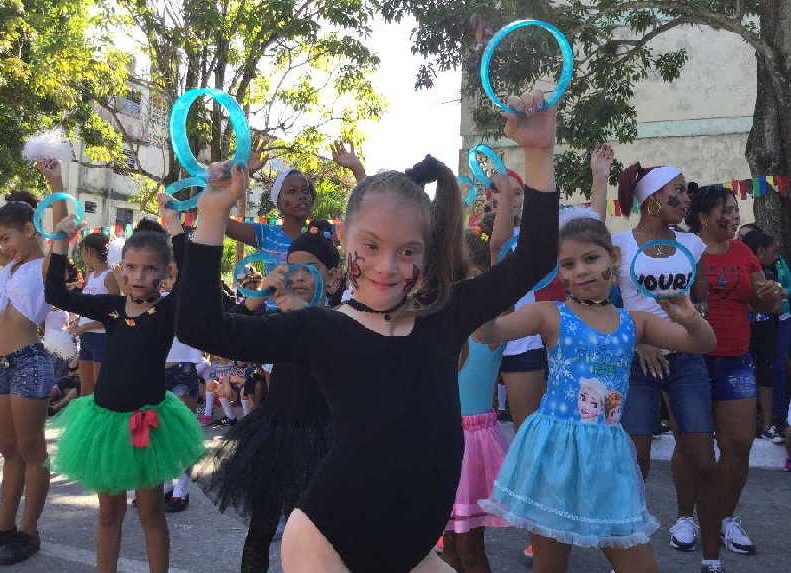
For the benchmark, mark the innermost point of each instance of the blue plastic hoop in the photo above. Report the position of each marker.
(186, 204)
(565, 75)
(668, 243)
(465, 181)
(543, 283)
(38, 214)
(178, 129)
(239, 272)
(477, 170)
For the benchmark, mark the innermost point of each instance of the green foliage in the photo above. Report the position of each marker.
(611, 40)
(49, 74)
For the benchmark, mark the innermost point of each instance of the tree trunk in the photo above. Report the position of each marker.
(769, 144)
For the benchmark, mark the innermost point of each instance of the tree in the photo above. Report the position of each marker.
(613, 52)
(50, 73)
(299, 68)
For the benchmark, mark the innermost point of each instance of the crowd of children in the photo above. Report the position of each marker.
(367, 421)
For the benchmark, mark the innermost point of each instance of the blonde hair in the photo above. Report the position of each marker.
(612, 400)
(595, 387)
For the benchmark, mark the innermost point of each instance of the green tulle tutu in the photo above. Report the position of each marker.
(96, 447)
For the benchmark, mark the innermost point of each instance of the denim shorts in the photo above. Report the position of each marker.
(27, 372)
(182, 379)
(92, 346)
(732, 377)
(529, 361)
(688, 388)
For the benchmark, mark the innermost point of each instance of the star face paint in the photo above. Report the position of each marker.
(353, 268)
(410, 284)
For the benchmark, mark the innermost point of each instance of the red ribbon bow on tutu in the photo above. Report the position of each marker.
(140, 425)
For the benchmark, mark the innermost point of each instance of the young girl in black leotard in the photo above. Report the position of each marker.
(130, 434)
(387, 360)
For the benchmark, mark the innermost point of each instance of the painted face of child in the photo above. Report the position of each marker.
(301, 281)
(585, 269)
(142, 272)
(295, 198)
(385, 245)
(589, 405)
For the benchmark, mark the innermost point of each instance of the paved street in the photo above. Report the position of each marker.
(204, 540)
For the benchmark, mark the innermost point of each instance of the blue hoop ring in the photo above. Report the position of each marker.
(38, 214)
(658, 243)
(477, 170)
(543, 283)
(178, 129)
(239, 271)
(186, 204)
(465, 181)
(565, 75)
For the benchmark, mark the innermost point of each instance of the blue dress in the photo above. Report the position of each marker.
(571, 473)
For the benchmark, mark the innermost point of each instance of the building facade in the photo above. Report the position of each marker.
(699, 123)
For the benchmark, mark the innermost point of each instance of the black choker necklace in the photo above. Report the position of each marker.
(145, 300)
(357, 305)
(585, 302)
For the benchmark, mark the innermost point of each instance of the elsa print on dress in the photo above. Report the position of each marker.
(590, 402)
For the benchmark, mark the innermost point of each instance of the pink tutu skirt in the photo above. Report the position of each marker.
(485, 445)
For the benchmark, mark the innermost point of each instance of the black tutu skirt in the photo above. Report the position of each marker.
(263, 457)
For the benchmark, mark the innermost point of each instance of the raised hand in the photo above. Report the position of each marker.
(223, 192)
(601, 161)
(50, 168)
(258, 155)
(680, 309)
(536, 128)
(348, 159)
(68, 225)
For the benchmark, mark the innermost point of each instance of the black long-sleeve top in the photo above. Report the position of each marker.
(385, 490)
(133, 370)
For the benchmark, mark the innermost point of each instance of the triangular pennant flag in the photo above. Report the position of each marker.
(782, 184)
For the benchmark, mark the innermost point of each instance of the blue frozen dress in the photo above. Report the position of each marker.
(571, 473)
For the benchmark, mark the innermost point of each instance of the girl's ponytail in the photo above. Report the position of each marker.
(627, 185)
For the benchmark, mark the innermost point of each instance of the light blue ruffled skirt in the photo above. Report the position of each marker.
(576, 483)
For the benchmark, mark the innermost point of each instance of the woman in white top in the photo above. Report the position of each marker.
(661, 193)
(26, 376)
(99, 280)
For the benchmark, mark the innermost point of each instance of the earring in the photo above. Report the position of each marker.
(656, 205)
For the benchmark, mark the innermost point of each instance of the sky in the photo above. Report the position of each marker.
(415, 123)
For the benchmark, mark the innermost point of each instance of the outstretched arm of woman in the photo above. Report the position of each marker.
(688, 331)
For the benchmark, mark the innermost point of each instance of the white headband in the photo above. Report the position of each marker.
(654, 180)
(274, 192)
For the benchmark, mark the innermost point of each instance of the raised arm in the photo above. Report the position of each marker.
(601, 164)
(348, 159)
(503, 228)
(95, 307)
(529, 320)
(483, 298)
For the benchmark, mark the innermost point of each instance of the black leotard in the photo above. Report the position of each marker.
(383, 495)
(133, 370)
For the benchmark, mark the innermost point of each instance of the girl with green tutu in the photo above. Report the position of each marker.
(130, 434)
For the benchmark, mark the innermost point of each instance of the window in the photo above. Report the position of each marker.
(90, 207)
(130, 103)
(124, 216)
(123, 166)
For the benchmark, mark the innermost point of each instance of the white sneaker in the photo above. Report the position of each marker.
(734, 537)
(684, 534)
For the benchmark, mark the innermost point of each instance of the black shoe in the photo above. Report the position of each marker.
(177, 504)
(223, 422)
(7, 535)
(20, 548)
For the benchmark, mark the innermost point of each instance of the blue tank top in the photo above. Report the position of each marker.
(478, 376)
(589, 370)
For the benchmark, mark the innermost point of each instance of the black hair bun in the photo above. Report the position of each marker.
(426, 171)
(692, 187)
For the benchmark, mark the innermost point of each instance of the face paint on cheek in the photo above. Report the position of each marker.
(410, 284)
(353, 268)
(673, 201)
(607, 275)
(566, 283)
